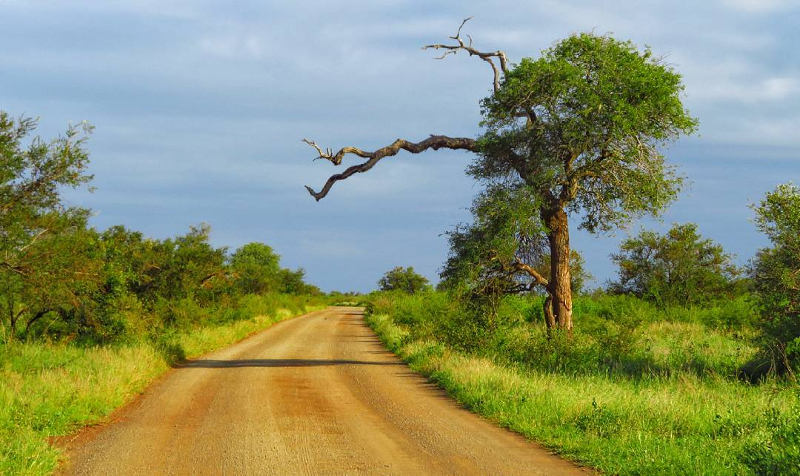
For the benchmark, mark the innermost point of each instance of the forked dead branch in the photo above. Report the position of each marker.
(434, 142)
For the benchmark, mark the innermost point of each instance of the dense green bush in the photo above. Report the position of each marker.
(675, 268)
(776, 276)
(118, 285)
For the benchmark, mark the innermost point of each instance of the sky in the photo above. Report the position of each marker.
(200, 108)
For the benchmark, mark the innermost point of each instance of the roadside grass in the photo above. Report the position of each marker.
(660, 396)
(51, 389)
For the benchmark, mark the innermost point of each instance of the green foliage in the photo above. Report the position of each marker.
(776, 274)
(679, 267)
(505, 229)
(641, 389)
(62, 280)
(616, 337)
(45, 264)
(403, 279)
(776, 448)
(256, 269)
(582, 125)
(293, 282)
(33, 172)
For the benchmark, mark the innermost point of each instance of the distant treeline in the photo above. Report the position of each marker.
(62, 279)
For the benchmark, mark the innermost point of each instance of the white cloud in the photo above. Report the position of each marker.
(761, 6)
(235, 46)
(747, 90)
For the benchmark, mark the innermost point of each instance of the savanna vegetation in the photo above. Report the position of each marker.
(686, 364)
(683, 365)
(88, 317)
(638, 389)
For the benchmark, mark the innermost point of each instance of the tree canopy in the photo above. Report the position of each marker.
(41, 240)
(581, 125)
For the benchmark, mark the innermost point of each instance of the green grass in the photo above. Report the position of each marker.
(659, 396)
(51, 390)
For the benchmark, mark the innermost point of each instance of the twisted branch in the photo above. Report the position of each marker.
(433, 142)
(485, 56)
(519, 266)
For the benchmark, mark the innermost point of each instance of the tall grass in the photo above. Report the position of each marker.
(52, 389)
(637, 391)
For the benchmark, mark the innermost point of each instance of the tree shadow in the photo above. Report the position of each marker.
(223, 364)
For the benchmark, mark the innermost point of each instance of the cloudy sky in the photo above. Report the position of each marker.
(200, 108)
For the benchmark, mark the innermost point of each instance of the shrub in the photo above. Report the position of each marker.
(676, 268)
(776, 275)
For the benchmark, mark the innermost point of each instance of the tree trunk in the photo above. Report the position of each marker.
(559, 287)
(13, 317)
(549, 318)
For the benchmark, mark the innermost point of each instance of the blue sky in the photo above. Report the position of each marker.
(200, 108)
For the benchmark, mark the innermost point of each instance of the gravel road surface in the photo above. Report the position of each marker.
(317, 394)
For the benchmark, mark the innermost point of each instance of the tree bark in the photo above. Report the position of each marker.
(549, 318)
(559, 287)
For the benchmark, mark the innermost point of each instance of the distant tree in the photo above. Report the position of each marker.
(256, 269)
(776, 272)
(580, 129)
(403, 279)
(293, 282)
(678, 267)
(187, 266)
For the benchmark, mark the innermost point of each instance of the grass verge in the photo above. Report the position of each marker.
(682, 423)
(49, 390)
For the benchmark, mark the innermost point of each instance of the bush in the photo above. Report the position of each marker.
(776, 276)
(676, 268)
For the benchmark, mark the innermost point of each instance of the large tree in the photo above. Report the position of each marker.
(579, 128)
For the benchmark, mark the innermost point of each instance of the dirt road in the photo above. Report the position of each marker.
(313, 395)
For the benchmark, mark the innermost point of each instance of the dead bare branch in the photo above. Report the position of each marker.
(484, 55)
(434, 142)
